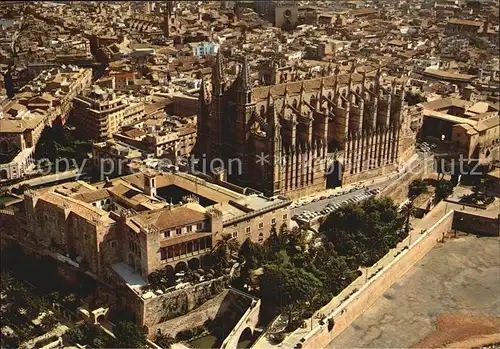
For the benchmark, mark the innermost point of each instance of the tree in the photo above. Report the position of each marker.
(414, 98)
(364, 232)
(158, 280)
(253, 253)
(417, 187)
(129, 335)
(407, 211)
(444, 189)
(70, 301)
(283, 284)
(49, 322)
(77, 334)
(97, 338)
(164, 341)
(480, 192)
(221, 253)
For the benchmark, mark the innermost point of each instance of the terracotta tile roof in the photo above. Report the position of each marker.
(169, 218)
(19, 126)
(186, 130)
(92, 196)
(487, 124)
(134, 133)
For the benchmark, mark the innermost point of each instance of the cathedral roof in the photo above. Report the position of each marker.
(294, 88)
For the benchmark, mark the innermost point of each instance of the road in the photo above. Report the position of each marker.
(320, 205)
(377, 182)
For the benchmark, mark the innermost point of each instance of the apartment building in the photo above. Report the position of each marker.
(53, 90)
(200, 49)
(162, 135)
(113, 156)
(98, 114)
(20, 131)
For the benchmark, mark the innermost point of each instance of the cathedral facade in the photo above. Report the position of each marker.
(292, 138)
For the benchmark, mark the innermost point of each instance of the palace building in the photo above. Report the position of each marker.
(294, 137)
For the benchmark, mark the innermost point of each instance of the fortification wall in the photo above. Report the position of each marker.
(227, 304)
(162, 308)
(349, 310)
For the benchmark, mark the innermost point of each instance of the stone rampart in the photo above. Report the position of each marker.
(353, 307)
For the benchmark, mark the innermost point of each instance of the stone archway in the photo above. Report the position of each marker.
(181, 266)
(4, 174)
(4, 146)
(245, 338)
(194, 264)
(334, 175)
(170, 271)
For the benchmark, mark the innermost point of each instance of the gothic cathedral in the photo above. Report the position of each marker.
(290, 137)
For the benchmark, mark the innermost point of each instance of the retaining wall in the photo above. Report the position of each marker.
(476, 224)
(359, 302)
(398, 189)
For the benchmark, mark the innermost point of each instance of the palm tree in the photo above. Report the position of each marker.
(407, 211)
(223, 249)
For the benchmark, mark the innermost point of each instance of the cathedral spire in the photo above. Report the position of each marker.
(219, 67)
(218, 75)
(274, 122)
(245, 83)
(302, 93)
(285, 100)
(204, 94)
(378, 76)
(270, 101)
(351, 72)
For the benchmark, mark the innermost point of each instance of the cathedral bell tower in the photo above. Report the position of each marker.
(245, 107)
(244, 111)
(218, 108)
(171, 24)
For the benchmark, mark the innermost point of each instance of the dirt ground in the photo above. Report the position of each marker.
(450, 297)
(462, 331)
